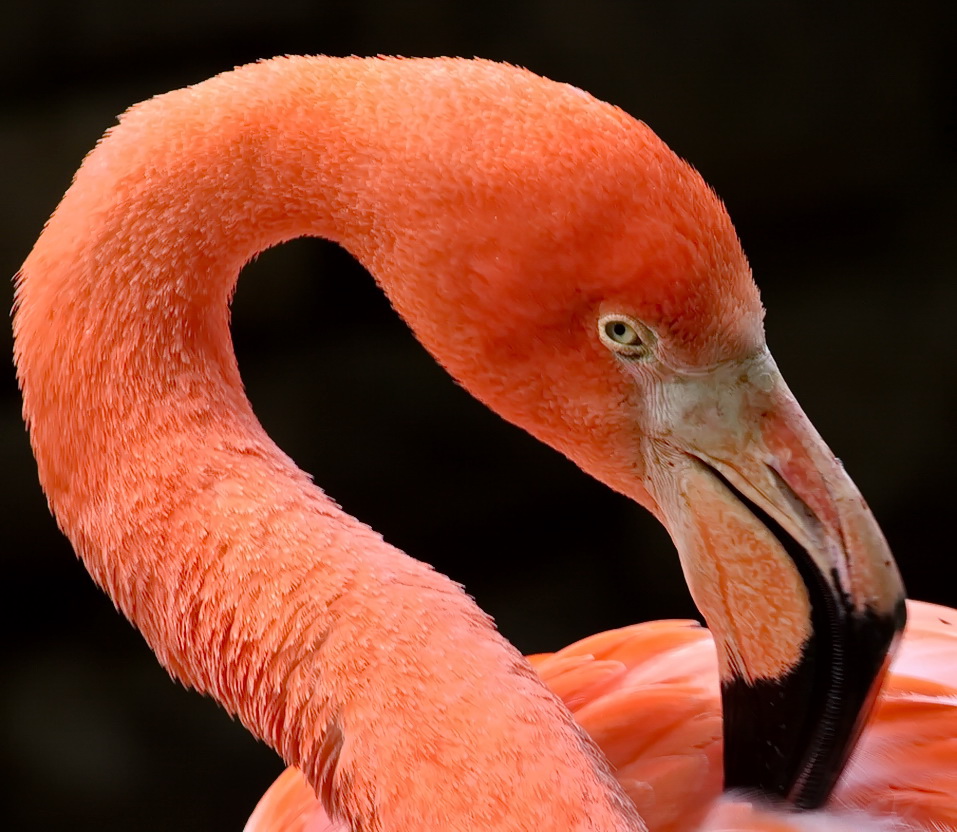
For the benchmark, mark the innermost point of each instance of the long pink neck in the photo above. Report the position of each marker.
(378, 677)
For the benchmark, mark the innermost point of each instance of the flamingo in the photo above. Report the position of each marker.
(574, 275)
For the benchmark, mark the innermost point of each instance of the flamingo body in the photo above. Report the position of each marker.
(648, 695)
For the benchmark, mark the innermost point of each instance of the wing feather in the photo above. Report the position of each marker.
(649, 696)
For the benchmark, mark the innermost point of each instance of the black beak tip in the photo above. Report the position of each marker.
(791, 737)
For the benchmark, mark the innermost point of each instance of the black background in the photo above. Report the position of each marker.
(828, 128)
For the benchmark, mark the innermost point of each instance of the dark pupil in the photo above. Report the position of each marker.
(620, 330)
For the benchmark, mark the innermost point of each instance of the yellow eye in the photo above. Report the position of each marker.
(621, 334)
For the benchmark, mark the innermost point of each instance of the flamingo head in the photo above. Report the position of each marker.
(589, 286)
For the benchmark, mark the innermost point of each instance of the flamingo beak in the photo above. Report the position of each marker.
(788, 567)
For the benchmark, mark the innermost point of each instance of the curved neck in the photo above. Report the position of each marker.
(344, 654)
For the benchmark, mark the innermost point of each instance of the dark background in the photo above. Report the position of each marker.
(828, 128)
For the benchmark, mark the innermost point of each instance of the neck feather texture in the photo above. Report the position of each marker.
(378, 677)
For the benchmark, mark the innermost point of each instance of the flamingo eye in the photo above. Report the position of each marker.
(621, 335)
